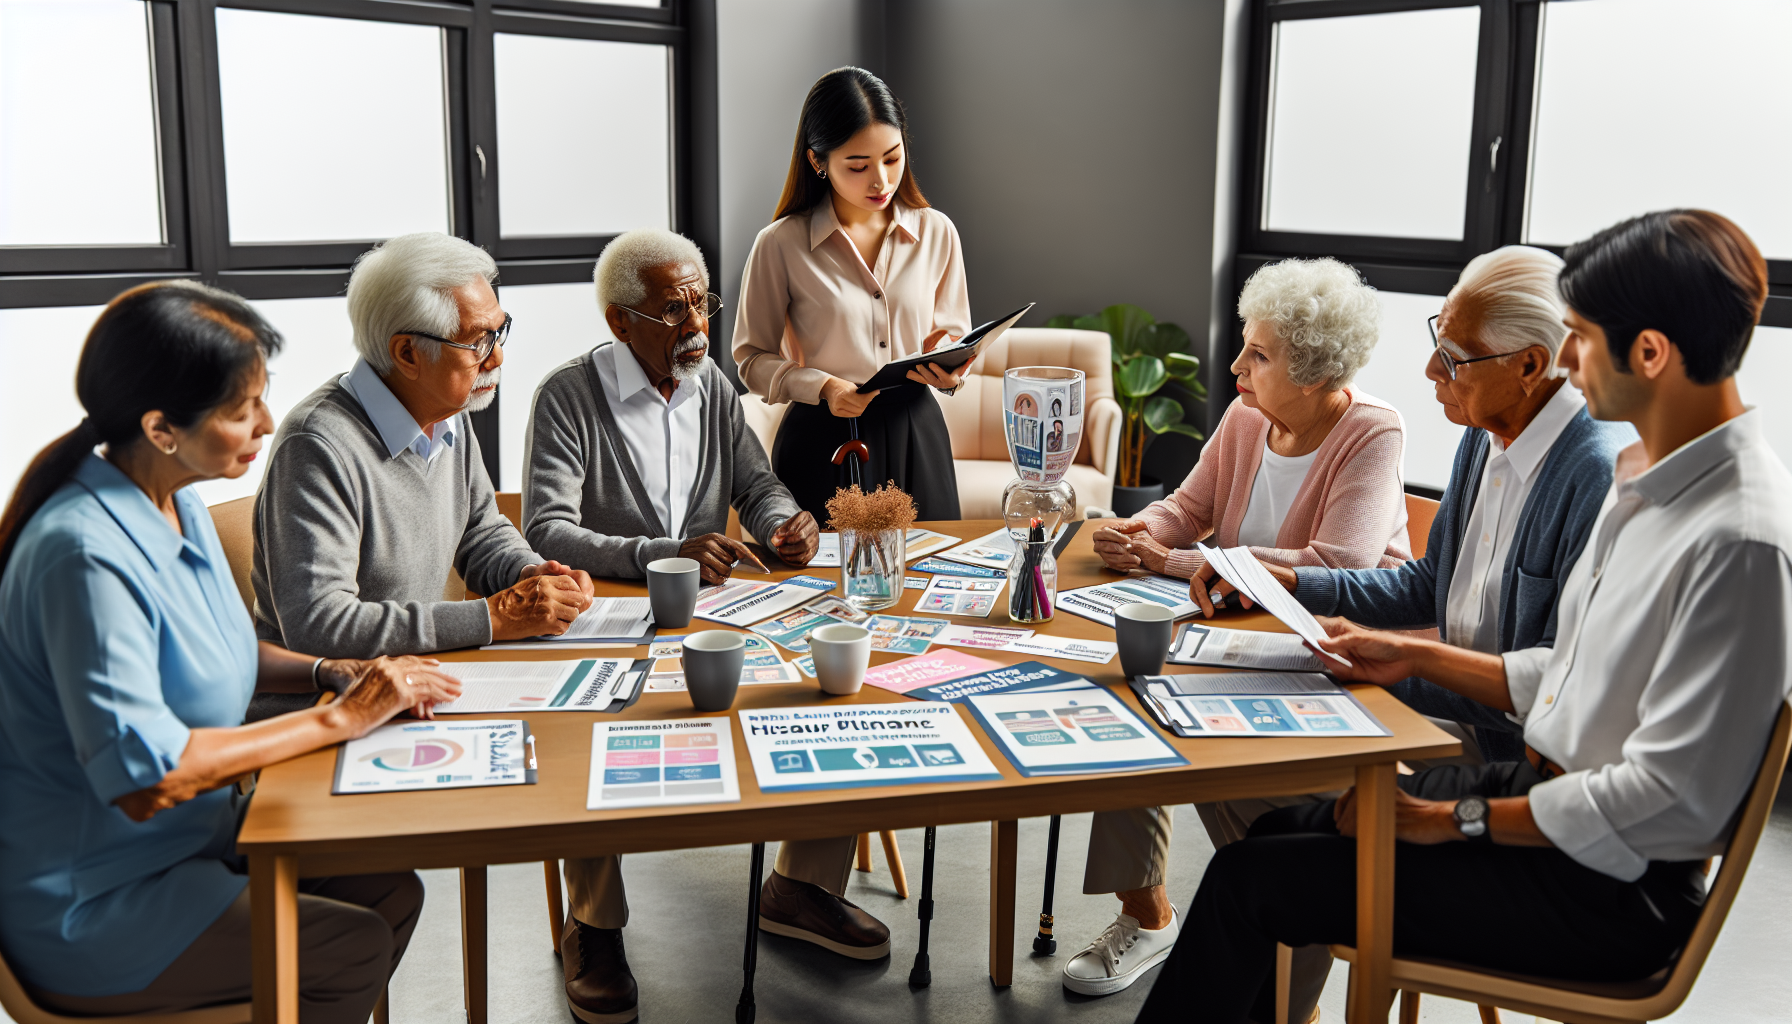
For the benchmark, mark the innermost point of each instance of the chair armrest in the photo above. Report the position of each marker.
(1101, 422)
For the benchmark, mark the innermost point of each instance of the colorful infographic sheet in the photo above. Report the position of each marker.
(662, 764)
(991, 551)
(1255, 704)
(1028, 675)
(960, 595)
(791, 629)
(592, 684)
(436, 755)
(924, 670)
(761, 664)
(862, 745)
(1072, 732)
(899, 635)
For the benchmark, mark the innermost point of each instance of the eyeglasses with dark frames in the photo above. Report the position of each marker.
(481, 348)
(1443, 354)
(678, 310)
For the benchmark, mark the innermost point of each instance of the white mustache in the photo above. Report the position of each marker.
(694, 343)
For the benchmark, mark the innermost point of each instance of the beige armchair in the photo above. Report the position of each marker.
(974, 418)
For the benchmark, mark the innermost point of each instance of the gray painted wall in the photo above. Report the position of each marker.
(1074, 144)
(769, 52)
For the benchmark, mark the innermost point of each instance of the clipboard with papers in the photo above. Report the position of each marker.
(946, 357)
(1269, 704)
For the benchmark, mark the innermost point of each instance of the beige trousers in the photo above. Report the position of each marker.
(595, 892)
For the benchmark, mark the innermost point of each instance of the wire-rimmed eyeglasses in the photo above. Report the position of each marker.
(1443, 354)
(482, 348)
(678, 310)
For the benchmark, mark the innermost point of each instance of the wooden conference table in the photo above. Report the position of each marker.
(295, 828)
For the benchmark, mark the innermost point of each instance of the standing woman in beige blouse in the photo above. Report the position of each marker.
(856, 270)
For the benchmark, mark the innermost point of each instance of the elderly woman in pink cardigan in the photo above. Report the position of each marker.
(1304, 470)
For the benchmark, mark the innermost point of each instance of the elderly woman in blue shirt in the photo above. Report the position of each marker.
(127, 661)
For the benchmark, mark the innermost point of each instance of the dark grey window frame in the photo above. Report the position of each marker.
(185, 47)
(1505, 82)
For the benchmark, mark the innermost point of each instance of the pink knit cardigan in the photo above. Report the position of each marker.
(1350, 513)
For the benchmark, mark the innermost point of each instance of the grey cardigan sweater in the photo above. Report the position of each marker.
(353, 545)
(584, 503)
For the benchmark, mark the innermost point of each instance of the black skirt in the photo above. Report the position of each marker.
(907, 436)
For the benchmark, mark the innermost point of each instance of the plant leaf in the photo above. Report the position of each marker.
(1140, 376)
(1125, 325)
(1162, 339)
(1161, 412)
(1181, 365)
(1089, 323)
(1062, 320)
(1184, 428)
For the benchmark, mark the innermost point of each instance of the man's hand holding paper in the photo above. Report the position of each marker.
(1240, 568)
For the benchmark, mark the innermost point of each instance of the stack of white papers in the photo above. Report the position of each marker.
(608, 618)
(1200, 644)
(744, 602)
(593, 684)
(1240, 568)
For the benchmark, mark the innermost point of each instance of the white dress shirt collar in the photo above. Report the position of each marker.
(1661, 483)
(664, 439)
(823, 223)
(631, 380)
(397, 427)
(1532, 445)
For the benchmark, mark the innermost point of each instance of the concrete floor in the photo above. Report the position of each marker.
(689, 918)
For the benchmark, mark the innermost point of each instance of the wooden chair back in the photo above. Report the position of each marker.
(1419, 514)
(1651, 998)
(19, 1005)
(511, 504)
(235, 523)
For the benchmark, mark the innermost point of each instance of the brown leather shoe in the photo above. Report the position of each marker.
(811, 913)
(600, 989)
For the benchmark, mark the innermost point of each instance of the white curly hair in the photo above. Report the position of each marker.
(618, 271)
(1322, 310)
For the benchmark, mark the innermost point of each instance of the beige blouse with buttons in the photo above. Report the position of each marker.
(811, 308)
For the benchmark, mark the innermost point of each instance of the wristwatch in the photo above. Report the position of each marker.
(1471, 817)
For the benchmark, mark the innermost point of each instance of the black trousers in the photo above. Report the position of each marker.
(904, 430)
(1532, 910)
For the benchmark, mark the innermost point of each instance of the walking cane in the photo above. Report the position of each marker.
(745, 1010)
(1043, 943)
(922, 975)
(854, 447)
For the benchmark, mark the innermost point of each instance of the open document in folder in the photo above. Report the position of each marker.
(1219, 647)
(436, 755)
(591, 684)
(1080, 731)
(1254, 704)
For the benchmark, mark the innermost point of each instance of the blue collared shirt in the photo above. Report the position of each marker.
(397, 427)
(118, 636)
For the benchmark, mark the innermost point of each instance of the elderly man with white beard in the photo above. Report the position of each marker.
(635, 452)
(375, 487)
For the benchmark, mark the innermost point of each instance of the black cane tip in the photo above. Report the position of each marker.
(1044, 946)
(744, 1013)
(922, 975)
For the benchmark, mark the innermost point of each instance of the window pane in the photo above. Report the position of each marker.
(1396, 375)
(1762, 381)
(319, 345)
(334, 129)
(78, 156)
(1369, 127)
(584, 132)
(554, 323)
(40, 347)
(1649, 104)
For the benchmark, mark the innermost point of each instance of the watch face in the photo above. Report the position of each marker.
(1471, 809)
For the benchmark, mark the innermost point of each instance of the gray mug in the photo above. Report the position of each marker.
(712, 664)
(672, 590)
(1143, 632)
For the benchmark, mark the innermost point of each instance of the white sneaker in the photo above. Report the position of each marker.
(1117, 957)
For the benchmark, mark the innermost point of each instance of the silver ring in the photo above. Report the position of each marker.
(1215, 596)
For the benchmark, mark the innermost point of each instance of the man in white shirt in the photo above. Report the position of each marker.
(1644, 724)
(636, 451)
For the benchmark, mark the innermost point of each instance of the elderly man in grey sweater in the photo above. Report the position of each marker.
(375, 487)
(635, 452)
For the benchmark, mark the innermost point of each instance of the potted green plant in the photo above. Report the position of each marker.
(1147, 356)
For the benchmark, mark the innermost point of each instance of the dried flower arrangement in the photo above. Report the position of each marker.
(887, 508)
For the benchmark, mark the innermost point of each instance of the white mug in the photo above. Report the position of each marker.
(842, 652)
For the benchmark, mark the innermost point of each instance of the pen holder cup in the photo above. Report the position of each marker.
(1032, 582)
(871, 567)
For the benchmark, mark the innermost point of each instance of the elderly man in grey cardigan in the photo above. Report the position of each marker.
(375, 488)
(1530, 476)
(635, 452)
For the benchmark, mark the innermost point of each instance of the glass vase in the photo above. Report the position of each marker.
(1032, 582)
(871, 567)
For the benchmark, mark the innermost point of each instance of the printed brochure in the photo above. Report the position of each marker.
(1079, 732)
(1255, 704)
(861, 745)
(593, 684)
(404, 756)
(662, 764)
